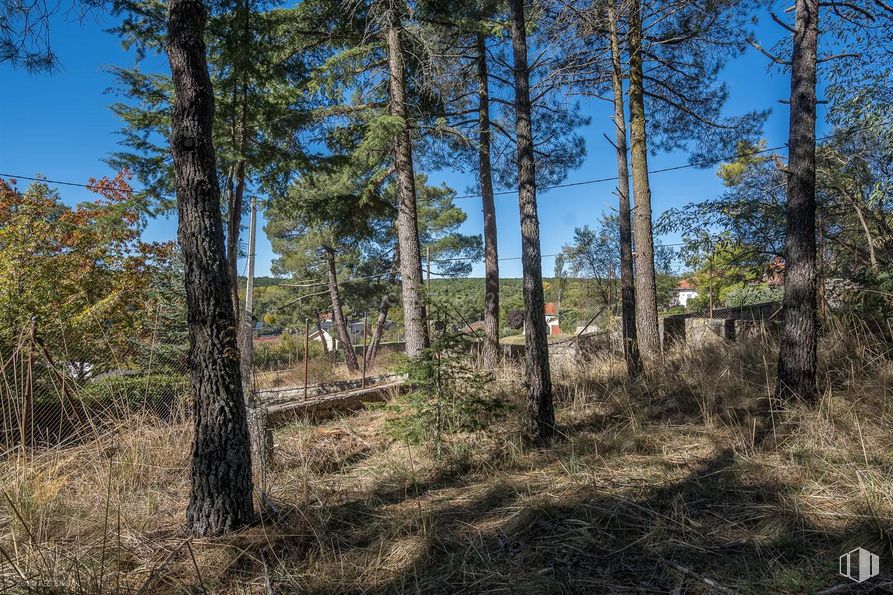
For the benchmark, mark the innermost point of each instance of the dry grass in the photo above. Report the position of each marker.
(657, 486)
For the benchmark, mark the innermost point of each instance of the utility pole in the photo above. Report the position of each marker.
(428, 287)
(246, 326)
(710, 277)
(249, 283)
(365, 327)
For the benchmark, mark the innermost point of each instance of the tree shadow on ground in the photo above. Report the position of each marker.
(449, 534)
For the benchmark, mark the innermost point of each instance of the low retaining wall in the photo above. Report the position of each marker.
(289, 394)
(326, 406)
(708, 331)
(725, 324)
(567, 351)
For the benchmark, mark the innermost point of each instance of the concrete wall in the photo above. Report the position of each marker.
(568, 350)
(705, 331)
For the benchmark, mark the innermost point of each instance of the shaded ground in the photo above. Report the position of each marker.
(657, 487)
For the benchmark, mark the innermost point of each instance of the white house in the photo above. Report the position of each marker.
(325, 338)
(552, 321)
(683, 292)
(553, 326)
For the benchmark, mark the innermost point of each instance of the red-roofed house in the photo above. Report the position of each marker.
(684, 291)
(775, 275)
(551, 313)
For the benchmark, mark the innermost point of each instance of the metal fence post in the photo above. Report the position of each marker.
(307, 352)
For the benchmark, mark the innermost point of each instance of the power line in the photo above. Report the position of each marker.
(696, 164)
(501, 192)
(650, 172)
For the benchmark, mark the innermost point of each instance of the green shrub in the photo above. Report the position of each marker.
(152, 389)
(285, 353)
(568, 320)
(750, 294)
(447, 395)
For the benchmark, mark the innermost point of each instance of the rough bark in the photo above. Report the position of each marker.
(221, 491)
(234, 223)
(628, 292)
(325, 346)
(646, 285)
(350, 358)
(541, 417)
(239, 138)
(799, 333)
(407, 215)
(383, 311)
(485, 173)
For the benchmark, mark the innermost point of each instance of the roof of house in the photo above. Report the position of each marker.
(685, 284)
(551, 310)
(775, 276)
(473, 327)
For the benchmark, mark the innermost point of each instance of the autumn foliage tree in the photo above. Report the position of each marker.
(80, 274)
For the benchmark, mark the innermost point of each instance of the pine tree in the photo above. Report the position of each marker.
(628, 309)
(541, 417)
(473, 78)
(851, 26)
(674, 55)
(221, 494)
(259, 90)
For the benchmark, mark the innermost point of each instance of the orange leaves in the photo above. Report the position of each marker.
(76, 268)
(114, 190)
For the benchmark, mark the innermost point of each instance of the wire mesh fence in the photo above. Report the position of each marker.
(62, 384)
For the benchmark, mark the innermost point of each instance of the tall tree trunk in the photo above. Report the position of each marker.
(491, 256)
(383, 311)
(407, 215)
(322, 338)
(799, 334)
(239, 136)
(646, 285)
(234, 223)
(350, 358)
(541, 417)
(220, 498)
(628, 292)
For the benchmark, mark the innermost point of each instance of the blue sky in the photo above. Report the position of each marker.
(59, 125)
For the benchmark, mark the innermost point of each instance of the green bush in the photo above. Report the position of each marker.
(699, 303)
(285, 353)
(509, 332)
(568, 320)
(447, 395)
(152, 389)
(750, 294)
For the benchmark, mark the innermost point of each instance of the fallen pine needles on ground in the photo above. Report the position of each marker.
(656, 486)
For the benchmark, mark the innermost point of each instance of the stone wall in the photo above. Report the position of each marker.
(706, 331)
(567, 351)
